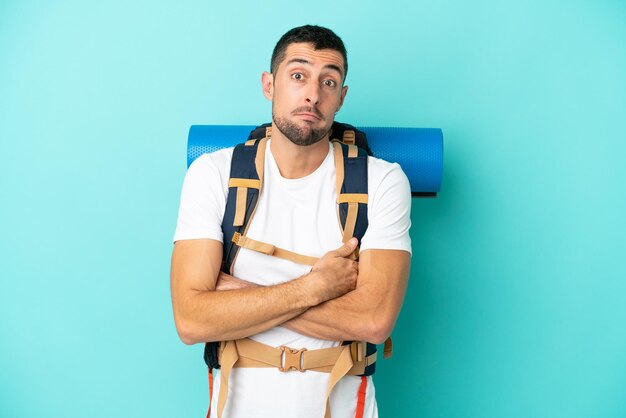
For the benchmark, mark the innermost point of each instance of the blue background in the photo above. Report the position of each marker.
(515, 306)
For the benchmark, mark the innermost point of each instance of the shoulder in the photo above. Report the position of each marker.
(208, 170)
(203, 197)
(383, 175)
(389, 207)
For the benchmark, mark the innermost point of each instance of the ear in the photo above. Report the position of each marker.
(267, 82)
(344, 91)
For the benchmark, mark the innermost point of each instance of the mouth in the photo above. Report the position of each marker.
(309, 114)
(310, 117)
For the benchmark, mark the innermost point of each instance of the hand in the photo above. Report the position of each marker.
(335, 273)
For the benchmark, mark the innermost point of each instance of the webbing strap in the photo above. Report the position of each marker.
(352, 197)
(388, 348)
(338, 361)
(240, 206)
(269, 249)
(255, 354)
(353, 204)
(348, 229)
(249, 243)
(248, 183)
(339, 173)
(259, 160)
(342, 367)
(228, 359)
(243, 184)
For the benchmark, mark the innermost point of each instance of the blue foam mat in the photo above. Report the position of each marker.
(419, 151)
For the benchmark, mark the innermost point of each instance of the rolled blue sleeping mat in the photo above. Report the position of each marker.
(419, 151)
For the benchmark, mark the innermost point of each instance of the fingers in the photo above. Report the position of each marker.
(348, 248)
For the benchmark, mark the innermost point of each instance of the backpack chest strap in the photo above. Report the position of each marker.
(269, 249)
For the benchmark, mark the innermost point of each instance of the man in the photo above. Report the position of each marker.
(278, 302)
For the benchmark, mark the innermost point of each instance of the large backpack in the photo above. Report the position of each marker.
(245, 184)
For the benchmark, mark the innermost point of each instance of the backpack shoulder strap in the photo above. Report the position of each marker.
(351, 184)
(352, 198)
(244, 188)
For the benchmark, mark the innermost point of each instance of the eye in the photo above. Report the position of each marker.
(329, 83)
(297, 76)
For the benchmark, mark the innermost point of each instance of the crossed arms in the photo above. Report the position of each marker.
(340, 299)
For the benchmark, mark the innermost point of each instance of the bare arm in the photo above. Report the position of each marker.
(202, 314)
(368, 313)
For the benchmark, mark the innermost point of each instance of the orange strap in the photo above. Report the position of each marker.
(360, 402)
(208, 414)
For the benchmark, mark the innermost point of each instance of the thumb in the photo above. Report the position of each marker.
(348, 248)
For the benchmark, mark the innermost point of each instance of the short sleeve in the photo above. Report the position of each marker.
(389, 208)
(203, 197)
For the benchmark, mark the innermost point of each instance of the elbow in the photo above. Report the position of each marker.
(375, 331)
(379, 335)
(379, 330)
(187, 333)
(187, 339)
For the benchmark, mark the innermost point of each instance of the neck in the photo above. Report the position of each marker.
(296, 161)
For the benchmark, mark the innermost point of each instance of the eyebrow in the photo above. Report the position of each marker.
(329, 66)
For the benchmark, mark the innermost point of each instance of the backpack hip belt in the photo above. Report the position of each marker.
(339, 361)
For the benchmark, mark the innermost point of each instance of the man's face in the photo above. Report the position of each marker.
(306, 91)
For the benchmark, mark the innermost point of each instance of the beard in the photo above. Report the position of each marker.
(302, 136)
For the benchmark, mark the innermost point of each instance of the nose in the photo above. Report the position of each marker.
(312, 94)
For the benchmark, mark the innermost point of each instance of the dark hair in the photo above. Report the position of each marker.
(320, 37)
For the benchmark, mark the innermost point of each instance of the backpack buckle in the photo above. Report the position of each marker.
(291, 359)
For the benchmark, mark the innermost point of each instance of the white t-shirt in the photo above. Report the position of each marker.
(299, 215)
